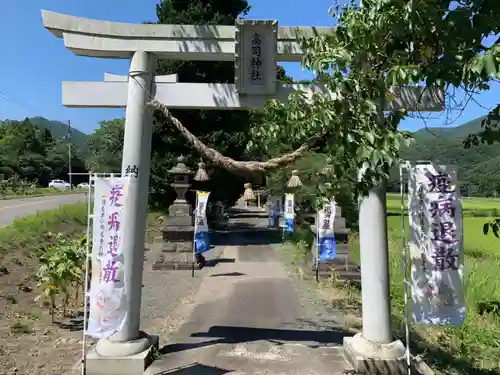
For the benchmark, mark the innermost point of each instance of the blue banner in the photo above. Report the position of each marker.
(202, 242)
(275, 212)
(288, 225)
(289, 216)
(327, 248)
(201, 235)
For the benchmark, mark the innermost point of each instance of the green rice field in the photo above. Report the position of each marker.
(478, 207)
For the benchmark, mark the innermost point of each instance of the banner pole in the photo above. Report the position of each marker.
(405, 267)
(283, 231)
(86, 287)
(285, 217)
(317, 247)
(194, 236)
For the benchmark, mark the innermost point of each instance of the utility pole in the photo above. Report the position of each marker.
(69, 155)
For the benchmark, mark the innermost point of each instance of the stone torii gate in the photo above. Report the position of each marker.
(255, 47)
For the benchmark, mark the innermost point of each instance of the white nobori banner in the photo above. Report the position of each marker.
(201, 232)
(436, 245)
(327, 247)
(108, 292)
(289, 214)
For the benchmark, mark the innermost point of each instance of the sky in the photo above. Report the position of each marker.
(34, 62)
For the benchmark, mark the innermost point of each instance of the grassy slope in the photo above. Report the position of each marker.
(26, 233)
(456, 132)
(20, 240)
(26, 325)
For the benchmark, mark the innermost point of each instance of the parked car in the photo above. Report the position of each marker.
(83, 185)
(59, 184)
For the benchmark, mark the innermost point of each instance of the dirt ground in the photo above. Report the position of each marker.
(30, 343)
(29, 340)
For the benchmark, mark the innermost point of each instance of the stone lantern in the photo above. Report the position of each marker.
(176, 246)
(181, 185)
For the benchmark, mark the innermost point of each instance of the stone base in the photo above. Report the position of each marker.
(179, 266)
(375, 359)
(343, 269)
(342, 262)
(174, 261)
(180, 207)
(96, 364)
(177, 233)
(173, 247)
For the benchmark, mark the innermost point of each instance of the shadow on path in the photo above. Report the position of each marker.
(251, 235)
(246, 226)
(195, 369)
(237, 335)
(228, 274)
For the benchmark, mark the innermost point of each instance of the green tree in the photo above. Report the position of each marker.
(228, 131)
(32, 154)
(375, 46)
(314, 173)
(106, 147)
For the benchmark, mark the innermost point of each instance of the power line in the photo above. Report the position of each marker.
(11, 98)
(12, 101)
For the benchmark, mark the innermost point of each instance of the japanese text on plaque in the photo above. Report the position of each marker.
(256, 58)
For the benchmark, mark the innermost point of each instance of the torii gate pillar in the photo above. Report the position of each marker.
(130, 342)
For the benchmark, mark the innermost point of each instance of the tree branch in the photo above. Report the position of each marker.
(244, 168)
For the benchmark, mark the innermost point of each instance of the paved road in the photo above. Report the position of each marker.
(248, 319)
(14, 208)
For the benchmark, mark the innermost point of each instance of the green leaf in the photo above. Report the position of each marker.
(490, 65)
(495, 230)
(370, 137)
(486, 227)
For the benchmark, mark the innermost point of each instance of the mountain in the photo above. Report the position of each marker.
(477, 166)
(59, 130)
(456, 132)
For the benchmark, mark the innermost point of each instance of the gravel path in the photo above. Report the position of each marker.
(168, 296)
(167, 299)
(326, 304)
(249, 318)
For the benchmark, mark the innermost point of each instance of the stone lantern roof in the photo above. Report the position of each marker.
(180, 168)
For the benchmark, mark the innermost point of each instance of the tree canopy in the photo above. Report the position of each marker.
(477, 166)
(31, 153)
(374, 47)
(228, 131)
